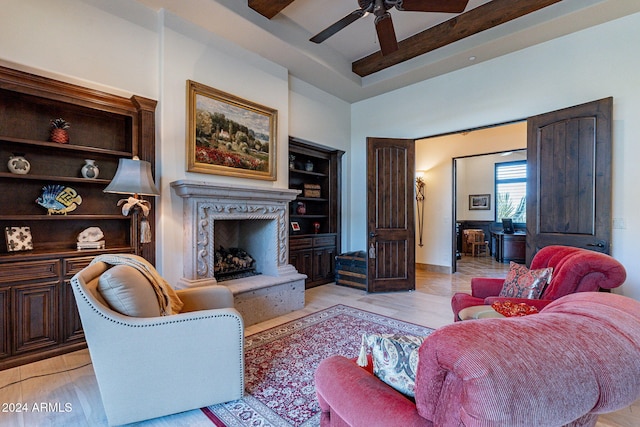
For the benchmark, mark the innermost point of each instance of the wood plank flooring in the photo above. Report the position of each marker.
(62, 391)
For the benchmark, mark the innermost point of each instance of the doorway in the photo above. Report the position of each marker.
(434, 160)
(496, 182)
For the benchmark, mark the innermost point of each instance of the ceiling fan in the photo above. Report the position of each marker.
(383, 22)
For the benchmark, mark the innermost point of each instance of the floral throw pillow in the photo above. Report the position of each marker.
(524, 283)
(395, 359)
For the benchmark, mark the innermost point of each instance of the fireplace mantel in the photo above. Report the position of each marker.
(259, 221)
(202, 189)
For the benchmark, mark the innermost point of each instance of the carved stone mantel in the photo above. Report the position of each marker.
(264, 215)
(205, 202)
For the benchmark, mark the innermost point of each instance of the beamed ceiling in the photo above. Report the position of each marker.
(350, 65)
(461, 25)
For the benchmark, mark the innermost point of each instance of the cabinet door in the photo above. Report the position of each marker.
(324, 264)
(71, 324)
(4, 322)
(36, 315)
(303, 262)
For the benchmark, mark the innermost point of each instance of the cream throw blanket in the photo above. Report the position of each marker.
(167, 298)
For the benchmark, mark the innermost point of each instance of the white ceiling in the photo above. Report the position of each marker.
(285, 38)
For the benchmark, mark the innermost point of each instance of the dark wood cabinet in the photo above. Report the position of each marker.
(39, 317)
(315, 240)
(510, 247)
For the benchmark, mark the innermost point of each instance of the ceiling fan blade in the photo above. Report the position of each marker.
(334, 28)
(386, 34)
(446, 6)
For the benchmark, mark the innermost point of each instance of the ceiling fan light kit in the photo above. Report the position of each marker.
(384, 23)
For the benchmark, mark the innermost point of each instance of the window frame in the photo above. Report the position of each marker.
(496, 182)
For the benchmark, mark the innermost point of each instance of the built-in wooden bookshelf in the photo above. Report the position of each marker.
(313, 247)
(38, 316)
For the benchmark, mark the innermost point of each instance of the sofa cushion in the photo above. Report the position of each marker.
(128, 292)
(524, 283)
(395, 359)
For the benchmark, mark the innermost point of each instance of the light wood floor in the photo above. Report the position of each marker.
(67, 387)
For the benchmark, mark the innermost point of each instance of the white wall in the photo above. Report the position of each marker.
(592, 64)
(72, 41)
(124, 48)
(188, 54)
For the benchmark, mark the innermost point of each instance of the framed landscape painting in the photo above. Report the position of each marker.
(228, 135)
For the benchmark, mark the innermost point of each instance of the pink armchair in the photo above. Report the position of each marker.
(577, 358)
(574, 270)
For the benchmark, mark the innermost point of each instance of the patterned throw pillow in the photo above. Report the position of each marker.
(395, 359)
(524, 283)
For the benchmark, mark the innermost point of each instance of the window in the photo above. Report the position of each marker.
(511, 191)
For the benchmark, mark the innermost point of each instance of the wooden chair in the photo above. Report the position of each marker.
(467, 238)
(478, 244)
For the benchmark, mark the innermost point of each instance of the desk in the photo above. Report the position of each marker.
(510, 247)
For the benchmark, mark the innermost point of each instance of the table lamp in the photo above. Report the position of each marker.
(133, 176)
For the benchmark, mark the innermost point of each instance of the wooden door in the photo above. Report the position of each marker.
(569, 178)
(390, 215)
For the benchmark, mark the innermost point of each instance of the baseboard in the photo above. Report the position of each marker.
(433, 268)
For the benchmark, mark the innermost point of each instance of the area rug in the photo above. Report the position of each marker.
(280, 362)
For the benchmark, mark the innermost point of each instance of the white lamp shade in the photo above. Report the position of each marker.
(133, 177)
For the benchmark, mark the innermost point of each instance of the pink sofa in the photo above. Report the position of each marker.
(574, 270)
(577, 358)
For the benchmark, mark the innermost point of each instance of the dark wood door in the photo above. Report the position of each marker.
(569, 178)
(390, 215)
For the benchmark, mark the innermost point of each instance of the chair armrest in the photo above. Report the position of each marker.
(347, 391)
(205, 298)
(537, 303)
(483, 287)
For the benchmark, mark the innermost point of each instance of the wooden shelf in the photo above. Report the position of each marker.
(68, 217)
(312, 199)
(62, 253)
(309, 216)
(102, 182)
(65, 147)
(308, 173)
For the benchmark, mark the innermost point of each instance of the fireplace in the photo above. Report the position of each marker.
(253, 219)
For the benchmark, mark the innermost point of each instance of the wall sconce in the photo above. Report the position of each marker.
(420, 203)
(133, 176)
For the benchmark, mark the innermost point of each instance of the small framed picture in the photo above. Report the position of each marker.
(295, 226)
(480, 202)
(18, 239)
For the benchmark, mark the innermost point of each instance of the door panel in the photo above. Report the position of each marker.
(390, 215)
(569, 178)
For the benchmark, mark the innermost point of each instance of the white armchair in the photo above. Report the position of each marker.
(148, 367)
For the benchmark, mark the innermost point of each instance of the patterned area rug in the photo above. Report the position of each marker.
(280, 363)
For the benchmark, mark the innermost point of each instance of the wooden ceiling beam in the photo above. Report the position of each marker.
(269, 8)
(481, 18)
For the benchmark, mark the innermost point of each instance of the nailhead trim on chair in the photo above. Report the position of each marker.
(76, 284)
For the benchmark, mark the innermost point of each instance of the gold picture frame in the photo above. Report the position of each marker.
(228, 135)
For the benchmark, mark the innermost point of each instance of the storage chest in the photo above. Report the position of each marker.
(351, 269)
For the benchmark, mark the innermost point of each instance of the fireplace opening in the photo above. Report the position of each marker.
(244, 247)
(233, 263)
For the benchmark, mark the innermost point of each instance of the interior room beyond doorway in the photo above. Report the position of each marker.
(445, 206)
